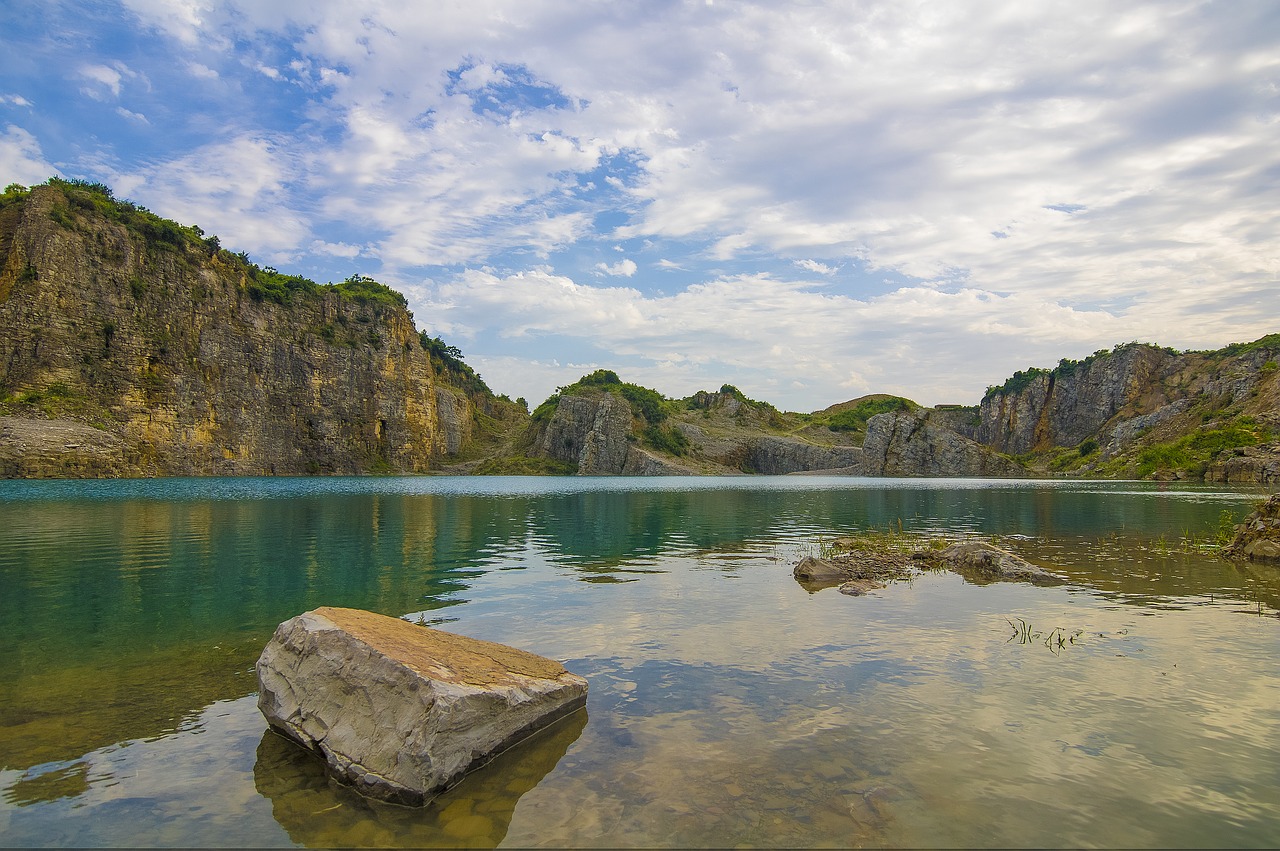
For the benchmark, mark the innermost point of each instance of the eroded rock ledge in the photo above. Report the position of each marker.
(399, 711)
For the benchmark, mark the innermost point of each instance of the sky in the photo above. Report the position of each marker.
(811, 201)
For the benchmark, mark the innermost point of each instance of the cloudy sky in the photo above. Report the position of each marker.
(812, 201)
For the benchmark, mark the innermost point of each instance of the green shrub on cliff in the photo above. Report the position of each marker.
(448, 360)
(1194, 451)
(649, 405)
(855, 418)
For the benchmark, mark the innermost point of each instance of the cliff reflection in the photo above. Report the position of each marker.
(318, 812)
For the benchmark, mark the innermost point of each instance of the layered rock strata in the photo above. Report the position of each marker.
(399, 711)
(172, 352)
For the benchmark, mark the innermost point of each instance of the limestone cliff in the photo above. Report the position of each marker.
(1064, 406)
(133, 346)
(920, 443)
(1140, 410)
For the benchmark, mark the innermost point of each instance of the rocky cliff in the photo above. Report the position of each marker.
(596, 429)
(133, 346)
(1141, 411)
(923, 443)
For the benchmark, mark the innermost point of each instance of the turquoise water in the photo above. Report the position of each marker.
(727, 705)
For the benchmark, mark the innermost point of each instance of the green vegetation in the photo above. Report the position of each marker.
(1193, 451)
(96, 198)
(855, 418)
(448, 361)
(665, 439)
(56, 400)
(269, 285)
(1019, 381)
(1271, 341)
(14, 193)
(649, 405)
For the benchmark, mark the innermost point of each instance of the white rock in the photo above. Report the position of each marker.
(401, 711)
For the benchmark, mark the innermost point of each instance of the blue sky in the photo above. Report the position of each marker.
(809, 201)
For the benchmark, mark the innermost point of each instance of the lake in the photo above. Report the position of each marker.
(727, 704)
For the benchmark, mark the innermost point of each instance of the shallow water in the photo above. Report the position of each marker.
(727, 704)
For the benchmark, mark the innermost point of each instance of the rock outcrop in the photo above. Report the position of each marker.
(981, 562)
(192, 361)
(1064, 406)
(401, 712)
(866, 564)
(910, 444)
(777, 455)
(1258, 537)
(1258, 465)
(1193, 414)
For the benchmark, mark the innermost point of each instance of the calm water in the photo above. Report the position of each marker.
(727, 704)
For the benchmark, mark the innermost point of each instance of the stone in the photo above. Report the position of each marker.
(818, 570)
(399, 711)
(980, 561)
(859, 587)
(1258, 537)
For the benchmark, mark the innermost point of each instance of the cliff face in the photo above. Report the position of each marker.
(1063, 407)
(594, 431)
(923, 444)
(1143, 411)
(165, 356)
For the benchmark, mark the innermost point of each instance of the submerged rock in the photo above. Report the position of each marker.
(1258, 537)
(983, 562)
(859, 587)
(399, 711)
(815, 571)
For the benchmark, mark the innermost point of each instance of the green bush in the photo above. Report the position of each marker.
(665, 439)
(855, 418)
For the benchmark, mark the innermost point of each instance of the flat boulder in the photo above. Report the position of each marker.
(982, 562)
(399, 711)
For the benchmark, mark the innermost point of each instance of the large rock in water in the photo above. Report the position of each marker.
(981, 562)
(1258, 537)
(401, 711)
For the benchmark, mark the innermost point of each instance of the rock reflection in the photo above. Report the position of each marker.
(319, 812)
(35, 787)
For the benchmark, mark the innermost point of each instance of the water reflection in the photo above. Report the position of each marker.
(318, 812)
(750, 712)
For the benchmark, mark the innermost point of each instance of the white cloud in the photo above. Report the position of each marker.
(623, 268)
(1040, 178)
(105, 82)
(15, 100)
(234, 189)
(21, 159)
(201, 72)
(815, 266)
(934, 346)
(132, 116)
(335, 249)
